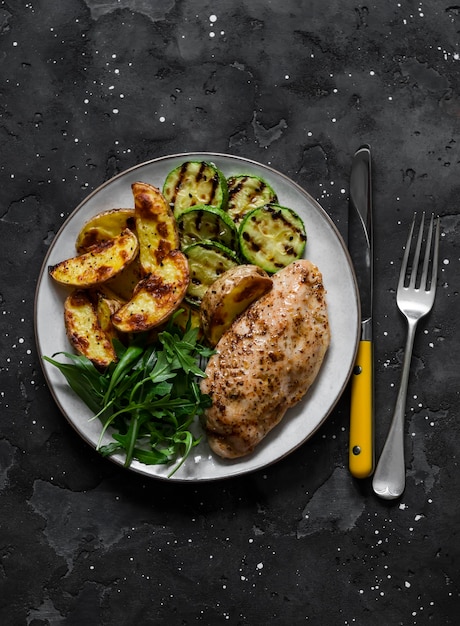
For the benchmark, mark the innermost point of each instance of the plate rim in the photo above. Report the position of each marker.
(208, 156)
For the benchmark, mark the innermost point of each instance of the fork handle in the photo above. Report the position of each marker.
(390, 475)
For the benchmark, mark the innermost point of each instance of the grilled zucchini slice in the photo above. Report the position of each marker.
(206, 223)
(207, 261)
(195, 182)
(271, 237)
(246, 193)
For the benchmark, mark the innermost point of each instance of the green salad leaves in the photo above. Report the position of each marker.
(149, 398)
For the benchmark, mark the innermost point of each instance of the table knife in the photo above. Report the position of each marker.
(360, 240)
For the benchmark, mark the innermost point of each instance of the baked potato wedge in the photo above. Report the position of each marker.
(123, 284)
(101, 263)
(156, 297)
(229, 296)
(103, 227)
(84, 331)
(155, 226)
(105, 308)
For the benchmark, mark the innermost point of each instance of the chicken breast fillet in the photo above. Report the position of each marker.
(267, 360)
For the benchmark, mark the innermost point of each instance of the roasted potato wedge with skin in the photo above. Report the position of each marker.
(155, 226)
(103, 227)
(156, 297)
(229, 296)
(124, 283)
(99, 264)
(105, 308)
(84, 331)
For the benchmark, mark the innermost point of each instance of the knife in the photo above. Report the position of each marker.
(360, 240)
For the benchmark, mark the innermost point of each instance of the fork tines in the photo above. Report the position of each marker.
(424, 276)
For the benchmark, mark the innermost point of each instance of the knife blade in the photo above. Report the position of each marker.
(360, 244)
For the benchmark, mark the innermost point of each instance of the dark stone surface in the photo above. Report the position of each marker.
(91, 88)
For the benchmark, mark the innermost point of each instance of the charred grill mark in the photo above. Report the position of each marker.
(251, 243)
(181, 176)
(180, 179)
(220, 268)
(277, 214)
(199, 220)
(261, 187)
(236, 188)
(214, 186)
(200, 173)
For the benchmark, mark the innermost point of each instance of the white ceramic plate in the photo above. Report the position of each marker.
(324, 247)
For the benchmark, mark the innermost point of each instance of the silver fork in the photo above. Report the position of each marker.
(414, 300)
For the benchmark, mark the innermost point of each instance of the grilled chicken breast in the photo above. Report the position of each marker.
(267, 360)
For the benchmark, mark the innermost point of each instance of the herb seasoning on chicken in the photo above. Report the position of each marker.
(267, 360)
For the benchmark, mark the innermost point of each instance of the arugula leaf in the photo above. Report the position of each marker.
(150, 397)
(83, 377)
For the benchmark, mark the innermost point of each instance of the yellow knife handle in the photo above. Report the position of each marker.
(361, 449)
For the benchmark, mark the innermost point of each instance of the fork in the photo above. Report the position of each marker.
(414, 300)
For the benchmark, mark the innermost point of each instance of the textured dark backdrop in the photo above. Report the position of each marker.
(90, 88)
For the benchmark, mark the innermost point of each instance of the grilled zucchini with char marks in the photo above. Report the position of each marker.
(246, 193)
(207, 261)
(195, 182)
(272, 237)
(207, 223)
